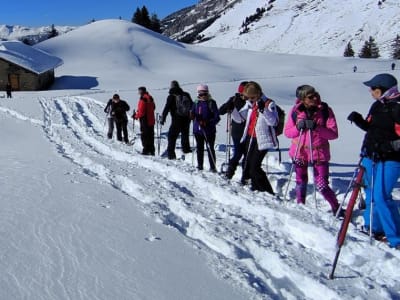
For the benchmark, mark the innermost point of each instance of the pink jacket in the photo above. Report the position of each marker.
(325, 130)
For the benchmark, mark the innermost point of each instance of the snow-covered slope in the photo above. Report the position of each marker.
(83, 217)
(32, 35)
(312, 27)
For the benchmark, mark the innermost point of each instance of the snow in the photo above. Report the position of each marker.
(307, 27)
(83, 217)
(28, 57)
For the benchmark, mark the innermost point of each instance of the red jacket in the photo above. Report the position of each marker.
(145, 110)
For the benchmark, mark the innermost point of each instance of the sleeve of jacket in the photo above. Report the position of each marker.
(290, 129)
(216, 118)
(107, 109)
(167, 108)
(126, 106)
(228, 106)
(270, 114)
(330, 132)
(141, 110)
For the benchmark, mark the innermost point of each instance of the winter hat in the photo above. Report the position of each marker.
(241, 86)
(305, 90)
(202, 88)
(142, 89)
(174, 84)
(384, 80)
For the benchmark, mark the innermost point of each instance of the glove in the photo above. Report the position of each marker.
(162, 122)
(301, 124)
(384, 147)
(202, 123)
(261, 105)
(395, 145)
(310, 124)
(355, 117)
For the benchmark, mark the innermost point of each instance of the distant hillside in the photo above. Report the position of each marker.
(30, 35)
(310, 27)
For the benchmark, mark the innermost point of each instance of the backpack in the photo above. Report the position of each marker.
(325, 113)
(183, 105)
(281, 116)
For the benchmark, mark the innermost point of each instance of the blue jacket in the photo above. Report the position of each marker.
(205, 116)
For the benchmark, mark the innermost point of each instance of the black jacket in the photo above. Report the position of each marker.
(381, 124)
(232, 103)
(119, 109)
(170, 105)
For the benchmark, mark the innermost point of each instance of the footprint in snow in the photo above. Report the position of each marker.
(152, 238)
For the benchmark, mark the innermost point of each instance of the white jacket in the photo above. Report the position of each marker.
(265, 131)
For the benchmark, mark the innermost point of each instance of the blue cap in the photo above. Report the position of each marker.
(382, 80)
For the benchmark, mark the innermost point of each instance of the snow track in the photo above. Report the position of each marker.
(251, 238)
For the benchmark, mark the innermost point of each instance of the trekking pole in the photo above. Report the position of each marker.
(312, 166)
(357, 184)
(347, 190)
(208, 148)
(293, 163)
(159, 127)
(371, 210)
(227, 145)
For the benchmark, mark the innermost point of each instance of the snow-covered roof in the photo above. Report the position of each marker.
(27, 57)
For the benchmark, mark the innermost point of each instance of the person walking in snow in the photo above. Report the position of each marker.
(258, 135)
(118, 113)
(110, 118)
(179, 105)
(8, 90)
(380, 153)
(235, 106)
(205, 118)
(310, 125)
(145, 115)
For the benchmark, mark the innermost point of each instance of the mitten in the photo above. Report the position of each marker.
(301, 124)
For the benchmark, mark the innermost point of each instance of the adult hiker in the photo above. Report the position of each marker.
(380, 154)
(110, 118)
(205, 118)
(258, 135)
(311, 123)
(145, 115)
(118, 109)
(178, 104)
(235, 106)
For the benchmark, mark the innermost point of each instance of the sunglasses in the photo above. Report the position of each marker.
(203, 94)
(311, 96)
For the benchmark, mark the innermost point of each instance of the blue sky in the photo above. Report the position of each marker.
(75, 12)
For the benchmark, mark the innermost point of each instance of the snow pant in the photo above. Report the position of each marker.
(254, 158)
(321, 181)
(385, 215)
(122, 127)
(238, 148)
(178, 126)
(200, 141)
(9, 94)
(110, 131)
(147, 138)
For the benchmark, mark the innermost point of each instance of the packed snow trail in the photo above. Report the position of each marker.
(278, 251)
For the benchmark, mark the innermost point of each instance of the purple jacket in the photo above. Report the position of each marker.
(205, 116)
(325, 130)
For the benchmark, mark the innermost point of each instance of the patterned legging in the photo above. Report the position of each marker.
(321, 181)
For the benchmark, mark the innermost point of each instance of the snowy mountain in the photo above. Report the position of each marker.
(83, 217)
(30, 35)
(310, 27)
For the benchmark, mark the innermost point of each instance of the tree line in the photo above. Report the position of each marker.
(143, 18)
(370, 49)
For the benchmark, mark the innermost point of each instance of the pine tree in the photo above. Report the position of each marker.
(370, 49)
(145, 17)
(53, 32)
(155, 23)
(348, 52)
(396, 48)
(137, 17)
